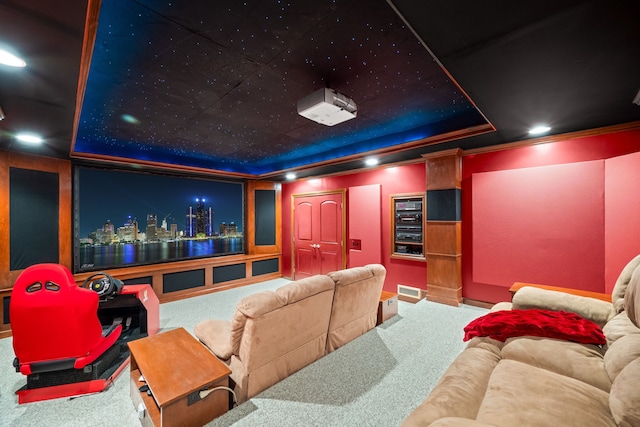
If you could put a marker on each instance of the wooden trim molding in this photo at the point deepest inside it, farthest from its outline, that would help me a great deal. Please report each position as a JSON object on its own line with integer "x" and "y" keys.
{"x": 88, "y": 42}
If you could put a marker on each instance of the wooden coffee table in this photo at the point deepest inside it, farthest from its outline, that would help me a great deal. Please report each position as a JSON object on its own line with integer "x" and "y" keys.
{"x": 177, "y": 370}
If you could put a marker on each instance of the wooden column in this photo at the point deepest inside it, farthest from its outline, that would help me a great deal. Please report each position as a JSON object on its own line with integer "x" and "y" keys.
{"x": 443, "y": 247}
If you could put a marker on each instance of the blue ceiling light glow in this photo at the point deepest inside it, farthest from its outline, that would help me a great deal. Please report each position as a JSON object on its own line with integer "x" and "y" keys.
{"x": 225, "y": 100}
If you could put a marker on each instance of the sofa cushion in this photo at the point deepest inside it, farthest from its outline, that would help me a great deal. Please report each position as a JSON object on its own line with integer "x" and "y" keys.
{"x": 621, "y": 353}
{"x": 302, "y": 319}
{"x": 580, "y": 361}
{"x": 519, "y": 394}
{"x": 504, "y": 305}
{"x": 624, "y": 399}
{"x": 303, "y": 288}
{"x": 632, "y": 298}
{"x": 620, "y": 287}
{"x": 619, "y": 327}
{"x": 355, "y": 303}
{"x": 255, "y": 305}
{"x": 596, "y": 310}
{"x": 460, "y": 391}
{"x": 486, "y": 343}
{"x": 214, "y": 333}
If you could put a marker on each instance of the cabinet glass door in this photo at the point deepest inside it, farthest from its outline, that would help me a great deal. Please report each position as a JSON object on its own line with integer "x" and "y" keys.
{"x": 408, "y": 226}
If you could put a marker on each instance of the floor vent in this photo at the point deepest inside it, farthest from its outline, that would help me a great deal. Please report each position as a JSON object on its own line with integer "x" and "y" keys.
{"x": 410, "y": 294}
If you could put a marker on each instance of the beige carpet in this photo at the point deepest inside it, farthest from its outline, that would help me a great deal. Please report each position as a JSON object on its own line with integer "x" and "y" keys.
{"x": 375, "y": 380}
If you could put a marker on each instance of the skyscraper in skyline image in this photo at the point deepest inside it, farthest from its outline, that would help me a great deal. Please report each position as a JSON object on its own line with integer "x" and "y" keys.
{"x": 199, "y": 221}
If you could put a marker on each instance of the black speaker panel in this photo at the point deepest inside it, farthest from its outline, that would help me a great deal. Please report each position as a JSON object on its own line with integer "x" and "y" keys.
{"x": 181, "y": 280}
{"x": 444, "y": 205}
{"x": 265, "y": 266}
{"x": 226, "y": 273}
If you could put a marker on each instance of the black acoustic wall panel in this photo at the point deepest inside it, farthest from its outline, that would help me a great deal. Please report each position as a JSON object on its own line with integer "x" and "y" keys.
{"x": 226, "y": 273}
{"x": 265, "y": 266}
{"x": 147, "y": 280}
{"x": 265, "y": 217}
{"x": 182, "y": 280}
{"x": 443, "y": 205}
{"x": 33, "y": 217}
{"x": 5, "y": 310}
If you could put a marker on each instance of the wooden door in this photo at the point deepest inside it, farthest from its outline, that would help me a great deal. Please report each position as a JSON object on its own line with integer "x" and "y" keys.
{"x": 318, "y": 234}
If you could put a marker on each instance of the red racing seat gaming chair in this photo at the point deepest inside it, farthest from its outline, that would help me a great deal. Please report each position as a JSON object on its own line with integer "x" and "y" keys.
{"x": 54, "y": 322}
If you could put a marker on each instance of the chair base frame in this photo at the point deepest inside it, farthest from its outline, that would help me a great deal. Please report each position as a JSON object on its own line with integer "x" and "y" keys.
{"x": 94, "y": 378}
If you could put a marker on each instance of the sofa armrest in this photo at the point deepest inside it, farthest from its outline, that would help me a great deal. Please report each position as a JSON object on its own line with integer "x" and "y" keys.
{"x": 590, "y": 294}
{"x": 596, "y": 310}
{"x": 216, "y": 335}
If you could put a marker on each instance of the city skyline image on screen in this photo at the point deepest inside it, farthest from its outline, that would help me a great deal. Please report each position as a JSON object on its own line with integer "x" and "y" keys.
{"x": 125, "y": 218}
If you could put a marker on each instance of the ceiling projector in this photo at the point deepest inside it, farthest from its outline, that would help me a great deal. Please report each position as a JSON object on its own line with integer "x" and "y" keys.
{"x": 327, "y": 107}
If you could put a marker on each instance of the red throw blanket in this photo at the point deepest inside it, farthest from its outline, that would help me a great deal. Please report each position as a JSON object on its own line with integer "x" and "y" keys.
{"x": 562, "y": 325}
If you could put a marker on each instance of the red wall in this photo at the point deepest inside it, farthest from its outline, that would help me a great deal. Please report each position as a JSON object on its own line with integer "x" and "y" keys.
{"x": 622, "y": 219}
{"x": 400, "y": 179}
{"x": 526, "y": 221}
{"x": 554, "y": 222}
{"x": 578, "y": 233}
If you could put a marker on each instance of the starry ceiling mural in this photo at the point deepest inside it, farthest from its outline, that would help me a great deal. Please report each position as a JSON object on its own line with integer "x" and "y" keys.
{"x": 214, "y": 85}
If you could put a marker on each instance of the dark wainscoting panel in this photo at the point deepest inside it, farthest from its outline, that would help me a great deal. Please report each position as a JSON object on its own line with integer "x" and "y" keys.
{"x": 172, "y": 282}
{"x": 265, "y": 266}
{"x": 147, "y": 280}
{"x": 227, "y": 273}
{"x": 5, "y": 310}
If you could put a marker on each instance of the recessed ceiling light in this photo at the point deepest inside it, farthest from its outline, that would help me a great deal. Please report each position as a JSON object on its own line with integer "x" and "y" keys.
{"x": 371, "y": 161}
{"x": 538, "y": 130}
{"x": 290, "y": 176}
{"x": 10, "y": 59}
{"x": 29, "y": 138}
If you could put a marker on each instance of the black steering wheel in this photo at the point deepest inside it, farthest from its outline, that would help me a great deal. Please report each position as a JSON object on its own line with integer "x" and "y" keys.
{"x": 103, "y": 284}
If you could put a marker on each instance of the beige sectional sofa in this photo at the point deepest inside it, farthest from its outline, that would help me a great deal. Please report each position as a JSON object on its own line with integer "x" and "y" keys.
{"x": 276, "y": 333}
{"x": 537, "y": 381}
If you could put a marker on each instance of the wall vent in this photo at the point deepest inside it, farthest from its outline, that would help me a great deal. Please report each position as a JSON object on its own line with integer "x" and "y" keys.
{"x": 410, "y": 294}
